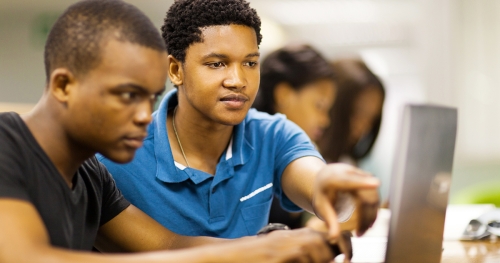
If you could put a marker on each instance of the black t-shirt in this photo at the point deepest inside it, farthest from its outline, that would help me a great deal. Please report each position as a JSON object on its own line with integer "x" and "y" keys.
{"x": 71, "y": 216}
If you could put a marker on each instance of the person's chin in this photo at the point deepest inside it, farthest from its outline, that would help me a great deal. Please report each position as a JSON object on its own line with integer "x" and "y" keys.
{"x": 316, "y": 134}
{"x": 233, "y": 119}
{"x": 123, "y": 156}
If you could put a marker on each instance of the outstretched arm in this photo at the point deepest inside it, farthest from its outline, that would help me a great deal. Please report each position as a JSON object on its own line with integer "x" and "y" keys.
{"x": 24, "y": 239}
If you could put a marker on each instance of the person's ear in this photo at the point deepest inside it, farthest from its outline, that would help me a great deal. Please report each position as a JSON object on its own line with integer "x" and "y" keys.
{"x": 284, "y": 96}
{"x": 60, "y": 84}
{"x": 175, "y": 71}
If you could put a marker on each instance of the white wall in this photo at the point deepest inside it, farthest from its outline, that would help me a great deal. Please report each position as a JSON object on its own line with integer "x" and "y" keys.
{"x": 438, "y": 51}
{"x": 443, "y": 52}
{"x": 22, "y": 76}
{"x": 21, "y": 63}
{"x": 477, "y": 78}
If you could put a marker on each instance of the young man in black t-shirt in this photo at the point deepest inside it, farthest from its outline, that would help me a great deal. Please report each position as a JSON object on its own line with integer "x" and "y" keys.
{"x": 105, "y": 65}
{"x": 72, "y": 215}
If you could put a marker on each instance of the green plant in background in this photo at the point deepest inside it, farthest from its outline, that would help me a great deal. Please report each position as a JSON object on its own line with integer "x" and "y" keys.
{"x": 476, "y": 183}
{"x": 481, "y": 193}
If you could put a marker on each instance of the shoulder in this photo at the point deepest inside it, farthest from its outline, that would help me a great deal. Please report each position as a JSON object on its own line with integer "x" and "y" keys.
{"x": 93, "y": 170}
{"x": 254, "y": 115}
{"x": 107, "y": 165}
{"x": 92, "y": 164}
{"x": 9, "y": 121}
{"x": 95, "y": 173}
{"x": 14, "y": 135}
{"x": 257, "y": 119}
{"x": 5, "y": 116}
{"x": 277, "y": 123}
{"x": 16, "y": 157}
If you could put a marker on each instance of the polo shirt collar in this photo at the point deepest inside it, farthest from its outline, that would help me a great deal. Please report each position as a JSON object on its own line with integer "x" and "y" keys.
{"x": 238, "y": 153}
{"x": 242, "y": 149}
{"x": 165, "y": 168}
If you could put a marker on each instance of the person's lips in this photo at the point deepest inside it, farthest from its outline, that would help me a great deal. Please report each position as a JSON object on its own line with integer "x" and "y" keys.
{"x": 234, "y": 101}
{"x": 317, "y": 134}
{"x": 134, "y": 141}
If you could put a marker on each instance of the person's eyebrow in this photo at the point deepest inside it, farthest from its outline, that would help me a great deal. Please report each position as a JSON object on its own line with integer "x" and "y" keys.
{"x": 137, "y": 88}
{"x": 251, "y": 55}
{"x": 215, "y": 55}
{"x": 131, "y": 86}
{"x": 222, "y": 56}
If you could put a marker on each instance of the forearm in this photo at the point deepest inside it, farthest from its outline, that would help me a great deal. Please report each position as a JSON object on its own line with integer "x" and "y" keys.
{"x": 287, "y": 247}
{"x": 206, "y": 254}
{"x": 298, "y": 181}
{"x": 143, "y": 234}
{"x": 154, "y": 243}
{"x": 189, "y": 241}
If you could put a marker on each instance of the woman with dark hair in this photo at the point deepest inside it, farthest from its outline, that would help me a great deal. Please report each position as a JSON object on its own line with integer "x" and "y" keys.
{"x": 298, "y": 82}
{"x": 355, "y": 118}
{"x": 356, "y": 115}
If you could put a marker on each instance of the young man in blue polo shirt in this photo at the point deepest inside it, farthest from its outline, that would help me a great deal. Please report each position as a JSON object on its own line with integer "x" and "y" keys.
{"x": 210, "y": 164}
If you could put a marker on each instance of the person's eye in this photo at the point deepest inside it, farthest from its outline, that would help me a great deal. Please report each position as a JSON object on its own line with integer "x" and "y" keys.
{"x": 216, "y": 64}
{"x": 251, "y": 64}
{"x": 154, "y": 97}
{"x": 129, "y": 96}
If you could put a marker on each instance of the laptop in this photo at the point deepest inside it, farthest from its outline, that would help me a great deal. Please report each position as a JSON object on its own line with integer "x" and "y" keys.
{"x": 420, "y": 183}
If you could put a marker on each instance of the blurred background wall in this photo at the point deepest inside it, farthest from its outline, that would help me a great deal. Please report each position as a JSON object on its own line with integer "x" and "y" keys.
{"x": 438, "y": 51}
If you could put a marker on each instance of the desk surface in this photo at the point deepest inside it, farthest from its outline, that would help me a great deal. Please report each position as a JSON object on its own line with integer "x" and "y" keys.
{"x": 372, "y": 251}
{"x": 471, "y": 252}
{"x": 371, "y": 246}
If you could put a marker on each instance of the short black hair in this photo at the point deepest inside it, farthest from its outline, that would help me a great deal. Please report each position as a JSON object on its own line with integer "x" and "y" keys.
{"x": 352, "y": 78}
{"x": 185, "y": 19}
{"x": 76, "y": 39}
{"x": 295, "y": 64}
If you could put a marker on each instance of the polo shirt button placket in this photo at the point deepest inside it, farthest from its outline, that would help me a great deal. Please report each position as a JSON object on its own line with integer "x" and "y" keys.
{"x": 216, "y": 206}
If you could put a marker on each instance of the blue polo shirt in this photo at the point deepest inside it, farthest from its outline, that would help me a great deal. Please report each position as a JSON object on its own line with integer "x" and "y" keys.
{"x": 233, "y": 203}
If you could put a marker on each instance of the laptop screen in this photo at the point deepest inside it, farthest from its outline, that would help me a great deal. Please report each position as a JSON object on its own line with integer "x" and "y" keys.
{"x": 420, "y": 183}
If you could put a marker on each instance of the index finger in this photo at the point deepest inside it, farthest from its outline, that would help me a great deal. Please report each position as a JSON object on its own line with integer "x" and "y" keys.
{"x": 368, "y": 205}
{"x": 329, "y": 216}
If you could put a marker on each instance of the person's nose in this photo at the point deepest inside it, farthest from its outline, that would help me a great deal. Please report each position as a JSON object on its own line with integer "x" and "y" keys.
{"x": 324, "y": 120}
{"x": 236, "y": 78}
{"x": 365, "y": 126}
{"x": 143, "y": 113}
